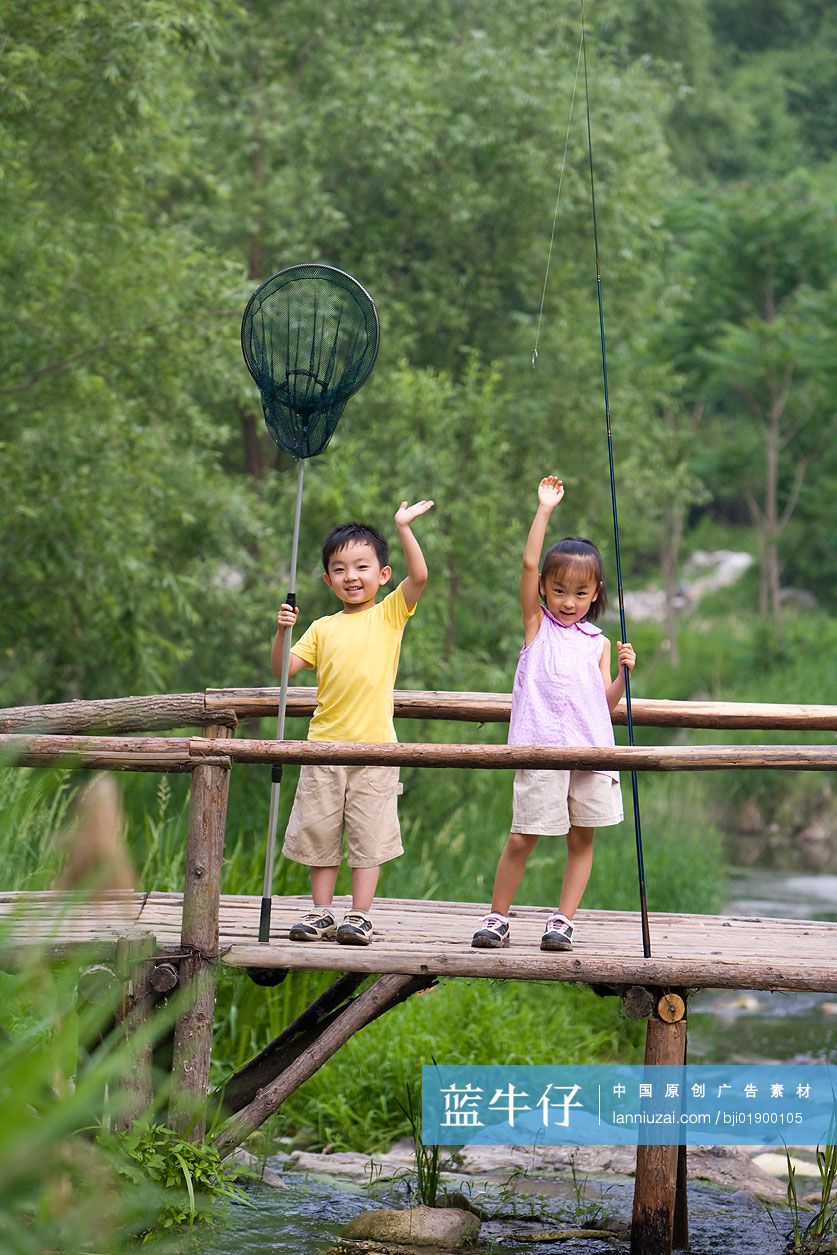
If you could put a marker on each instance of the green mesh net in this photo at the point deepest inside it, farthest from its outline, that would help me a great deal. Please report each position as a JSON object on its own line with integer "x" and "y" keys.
{"x": 310, "y": 338}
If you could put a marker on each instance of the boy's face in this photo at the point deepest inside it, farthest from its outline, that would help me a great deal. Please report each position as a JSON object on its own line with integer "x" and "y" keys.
{"x": 355, "y": 575}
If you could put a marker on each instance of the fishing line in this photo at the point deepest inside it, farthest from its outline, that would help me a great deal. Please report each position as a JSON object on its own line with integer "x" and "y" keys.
{"x": 557, "y": 200}
{"x": 646, "y": 938}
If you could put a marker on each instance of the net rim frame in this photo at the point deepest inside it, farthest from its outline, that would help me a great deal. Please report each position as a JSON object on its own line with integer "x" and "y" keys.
{"x": 344, "y": 274}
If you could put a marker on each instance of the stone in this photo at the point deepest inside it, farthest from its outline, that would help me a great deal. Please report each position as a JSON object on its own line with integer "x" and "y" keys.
{"x": 351, "y": 1164}
{"x": 776, "y": 1165}
{"x": 258, "y": 1169}
{"x": 445, "y": 1228}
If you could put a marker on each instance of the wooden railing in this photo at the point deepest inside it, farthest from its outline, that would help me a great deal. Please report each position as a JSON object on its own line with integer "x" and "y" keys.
{"x": 179, "y": 754}
{"x": 228, "y": 706}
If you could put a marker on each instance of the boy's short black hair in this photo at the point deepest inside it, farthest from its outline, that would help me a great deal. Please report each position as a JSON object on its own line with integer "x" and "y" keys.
{"x": 355, "y": 534}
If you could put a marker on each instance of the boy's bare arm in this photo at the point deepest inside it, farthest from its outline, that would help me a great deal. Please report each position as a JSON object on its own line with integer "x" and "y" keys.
{"x": 550, "y": 492}
{"x": 285, "y": 621}
{"x": 413, "y": 586}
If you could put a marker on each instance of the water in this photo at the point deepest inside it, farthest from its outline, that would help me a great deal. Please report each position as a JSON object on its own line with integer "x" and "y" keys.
{"x": 304, "y": 1218}
{"x": 308, "y": 1215}
{"x": 763, "y": 1027}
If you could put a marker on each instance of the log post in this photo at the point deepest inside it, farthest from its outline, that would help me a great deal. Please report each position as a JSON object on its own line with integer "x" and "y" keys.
{"x": 199, "y": 939}
{"x": 655, "y": 1189}
{"x": 136, "y": 1090}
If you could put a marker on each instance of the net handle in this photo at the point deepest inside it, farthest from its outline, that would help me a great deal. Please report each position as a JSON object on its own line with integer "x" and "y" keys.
{"x": 276, "y": 772}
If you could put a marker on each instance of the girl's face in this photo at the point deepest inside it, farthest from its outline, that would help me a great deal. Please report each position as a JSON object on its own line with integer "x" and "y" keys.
{"x": 569, "y": 591}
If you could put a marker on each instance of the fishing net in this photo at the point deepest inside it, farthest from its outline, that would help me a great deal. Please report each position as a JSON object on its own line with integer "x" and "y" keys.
{"x": 310, "y": 338}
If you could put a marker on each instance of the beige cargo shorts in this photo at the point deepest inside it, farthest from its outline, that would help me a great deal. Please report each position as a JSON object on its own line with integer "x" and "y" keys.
{"x": 547, "y": 803}
{"x": 361, "y": 802}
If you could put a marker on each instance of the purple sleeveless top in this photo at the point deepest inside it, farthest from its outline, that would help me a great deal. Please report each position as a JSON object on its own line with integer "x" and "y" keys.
{"x": 558, "y": 696}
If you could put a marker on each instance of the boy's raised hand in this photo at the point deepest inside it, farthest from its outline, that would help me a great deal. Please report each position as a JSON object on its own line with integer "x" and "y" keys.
{"x": 550, "y": 491}
{"x": 407, "y": 514}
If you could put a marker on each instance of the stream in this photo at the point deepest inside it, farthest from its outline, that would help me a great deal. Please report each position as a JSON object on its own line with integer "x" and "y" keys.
{"x": 730, "y": 1026}
{"x": 752, "y": 1026}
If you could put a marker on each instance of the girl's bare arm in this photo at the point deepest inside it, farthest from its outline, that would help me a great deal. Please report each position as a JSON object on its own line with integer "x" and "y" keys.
{"x": 615, "y": 689}
{"x": 550, "y": 492}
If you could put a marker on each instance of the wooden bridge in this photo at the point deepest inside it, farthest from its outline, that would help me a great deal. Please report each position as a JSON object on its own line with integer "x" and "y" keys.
{"x": 419, "y": 938}
{"x": 176, "y": 939}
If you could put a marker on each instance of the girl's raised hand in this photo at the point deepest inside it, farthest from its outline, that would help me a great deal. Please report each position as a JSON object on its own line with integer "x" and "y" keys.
{"x": 626, "y": 655}
{"x": 550, "y": 491}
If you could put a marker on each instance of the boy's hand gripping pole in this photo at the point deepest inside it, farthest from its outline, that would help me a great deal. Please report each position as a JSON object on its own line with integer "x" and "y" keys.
{"x": 276, "y": 772}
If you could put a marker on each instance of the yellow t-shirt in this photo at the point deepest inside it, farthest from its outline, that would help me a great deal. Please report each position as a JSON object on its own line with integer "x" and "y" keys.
{"x": 356, "y": 657}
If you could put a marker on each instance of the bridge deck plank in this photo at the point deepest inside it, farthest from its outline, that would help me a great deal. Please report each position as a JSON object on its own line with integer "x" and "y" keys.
{"x": 695, "y": 951}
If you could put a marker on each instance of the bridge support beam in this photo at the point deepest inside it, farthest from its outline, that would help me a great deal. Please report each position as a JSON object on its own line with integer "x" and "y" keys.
{"x": 660, "y": 1217}
{"x": 199, "y": 939}
{"x": 386, "y": 992}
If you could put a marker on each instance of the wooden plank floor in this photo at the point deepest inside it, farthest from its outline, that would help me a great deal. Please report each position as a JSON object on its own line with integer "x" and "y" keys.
{"x": 695, "y": 951}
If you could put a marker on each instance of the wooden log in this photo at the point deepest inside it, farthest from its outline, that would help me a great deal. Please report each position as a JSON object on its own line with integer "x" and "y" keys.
{"x": 223, "y": 706}
{"x": 243, "y": 1086}
{"x": 100, "y": 753}
{"x": 680, "y": 1227}
{"x": 626, "y": 965}
{"x": 637, "y": 1002}
{"x": 98, "y": 986}
{"x": 135, "y": 1092}
{"x": 620, "y": 757}
{"x": 387, "y": 991}
{"x": 671, "y": 1008}
{"x": 173, "y": 754}
{"x": 652, "y": 1224}
{"x": 496, "y": 707}
{"x": 164, "y": 978}
{"x": 201, "y": 903}
{"x": 118, "y": 714}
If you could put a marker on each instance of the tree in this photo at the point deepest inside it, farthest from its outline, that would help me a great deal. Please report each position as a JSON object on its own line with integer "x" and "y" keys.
{"x": 765, "y": 258}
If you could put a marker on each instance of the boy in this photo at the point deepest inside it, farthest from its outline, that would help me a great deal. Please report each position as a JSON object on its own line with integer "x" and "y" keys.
{"x": 355, "y": 653}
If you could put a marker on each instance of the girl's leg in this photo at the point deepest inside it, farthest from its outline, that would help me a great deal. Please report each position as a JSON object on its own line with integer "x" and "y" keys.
{"x": 510, "y": 870}
{"x": 577, "y": 870}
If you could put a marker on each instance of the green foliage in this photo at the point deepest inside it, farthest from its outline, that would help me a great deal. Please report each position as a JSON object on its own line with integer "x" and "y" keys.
{"x": 33, "y": 808}
{"x": 65, "y": 1182}
{"x": 161, "y": 180}
{"x": 58, "y": 1189}
{"x": 428, "y": 1162}
{"x": 814, "y": 1234}
{"x": 192, "y": 1177}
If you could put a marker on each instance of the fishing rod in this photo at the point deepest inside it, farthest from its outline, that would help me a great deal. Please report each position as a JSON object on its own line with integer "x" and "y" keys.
{"x": 646, "y": 936}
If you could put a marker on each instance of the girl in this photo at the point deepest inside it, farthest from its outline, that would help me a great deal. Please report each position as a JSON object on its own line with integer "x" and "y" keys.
{"x": 563, "y": 695}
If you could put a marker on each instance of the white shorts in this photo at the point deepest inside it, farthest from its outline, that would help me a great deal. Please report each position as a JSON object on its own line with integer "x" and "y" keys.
{"x": 548, "y": 803}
